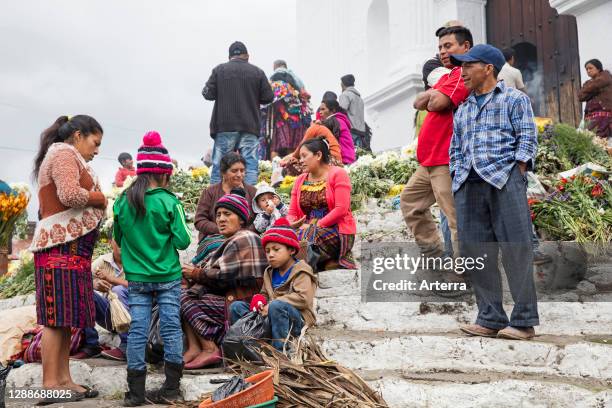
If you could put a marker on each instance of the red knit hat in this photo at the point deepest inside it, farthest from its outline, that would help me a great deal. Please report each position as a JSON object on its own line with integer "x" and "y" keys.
{"x": 282, "y": 233}
{"x": 152, "y": 156}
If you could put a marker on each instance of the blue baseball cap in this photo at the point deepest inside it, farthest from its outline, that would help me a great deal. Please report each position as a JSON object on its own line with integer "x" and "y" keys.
{"x": 481, "y": 53}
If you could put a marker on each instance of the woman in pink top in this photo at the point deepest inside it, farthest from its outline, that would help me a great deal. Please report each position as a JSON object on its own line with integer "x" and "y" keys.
{"x": 336, "y": 119}
{"x": 321, "y": 209}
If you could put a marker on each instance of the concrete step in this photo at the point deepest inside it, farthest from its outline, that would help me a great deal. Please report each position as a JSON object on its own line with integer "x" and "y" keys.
{"x": 17, "y": 301}
{"x": 339, "y": 306}
{"x": 570, "y": 358}
{"x": 401, "y": 393}
{"x": 109, "y": 378}
{"x": 557, "y": 318}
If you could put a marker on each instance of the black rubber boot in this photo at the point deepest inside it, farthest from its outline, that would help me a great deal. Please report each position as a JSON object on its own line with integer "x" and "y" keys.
{"x": 170, "y": 390}
{"x": 136, "y": 388}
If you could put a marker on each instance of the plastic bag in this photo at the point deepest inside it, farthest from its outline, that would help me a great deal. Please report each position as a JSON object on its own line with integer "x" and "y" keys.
{"x": 4, "y": 372}
{"x": 154, "y": 352}
{"x": 240, "y": 341}
{"x": 233, "y": 386}
{"x": 155, "y": 345}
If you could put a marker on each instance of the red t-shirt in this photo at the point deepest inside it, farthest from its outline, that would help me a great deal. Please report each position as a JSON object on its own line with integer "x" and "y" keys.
{"x": 122, "y": 174}
{"x": 437, "y": 129}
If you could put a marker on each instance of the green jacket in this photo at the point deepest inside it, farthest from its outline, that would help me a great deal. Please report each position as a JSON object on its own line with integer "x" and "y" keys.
{"x": 150, "y": 244}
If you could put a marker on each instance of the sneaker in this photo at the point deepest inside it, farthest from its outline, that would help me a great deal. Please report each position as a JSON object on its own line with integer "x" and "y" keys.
{"x": 114, "y": 354}
{"x": 86, "y": 352}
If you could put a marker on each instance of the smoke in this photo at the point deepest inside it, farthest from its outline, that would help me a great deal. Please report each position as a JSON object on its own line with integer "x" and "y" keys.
{"x": 533, "y": 76}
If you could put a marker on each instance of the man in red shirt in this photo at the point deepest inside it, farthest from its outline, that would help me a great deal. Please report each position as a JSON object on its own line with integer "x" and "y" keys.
{"x": 431, "y": 183}
{"x": 126, "y": 170}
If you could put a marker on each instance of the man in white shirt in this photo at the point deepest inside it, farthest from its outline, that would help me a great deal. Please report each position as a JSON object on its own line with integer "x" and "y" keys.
{"x": 511, "y": 76}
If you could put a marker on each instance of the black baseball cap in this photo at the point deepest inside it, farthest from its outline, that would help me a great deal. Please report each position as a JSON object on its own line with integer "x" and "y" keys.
{"x": 481, "y": 53}
{"x": 237, "y": 48}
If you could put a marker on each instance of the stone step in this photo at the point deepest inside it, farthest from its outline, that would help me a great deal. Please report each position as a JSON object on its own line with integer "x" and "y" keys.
{"x": 416, "y": 371}
{"x": 109, "y": 378}
{"x": 556, "y": 318}
{"x": 401, "y": 393}
{"x": 339, "y": 306}
{"x": 556, "y": 357}
{"x": 17, "y": 301}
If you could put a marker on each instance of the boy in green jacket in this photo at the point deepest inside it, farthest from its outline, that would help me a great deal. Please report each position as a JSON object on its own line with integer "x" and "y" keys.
{"x": 150, "y": 228}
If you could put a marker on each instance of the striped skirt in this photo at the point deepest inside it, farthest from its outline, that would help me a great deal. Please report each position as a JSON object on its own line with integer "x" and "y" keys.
{"x": 64, "y": 284}
{"x": 204, "y": 312}
{"x": 336, "y": 246}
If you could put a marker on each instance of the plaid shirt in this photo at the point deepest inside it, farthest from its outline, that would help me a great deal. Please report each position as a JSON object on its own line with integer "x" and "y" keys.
{"x": 491, "y": 139}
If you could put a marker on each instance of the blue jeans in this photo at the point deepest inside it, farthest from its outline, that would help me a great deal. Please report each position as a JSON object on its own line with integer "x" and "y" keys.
{"x": 446, "y": 233}
{"x": 246, "y": 144}
{"x": 141, "y": 298}
{"x": 282, "y": 317}
{"x": 489, "y": 221}
{"x": 103, "y": 318}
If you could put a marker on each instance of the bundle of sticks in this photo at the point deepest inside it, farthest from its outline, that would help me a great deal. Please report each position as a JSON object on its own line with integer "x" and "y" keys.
{"x": 308, "y": 379}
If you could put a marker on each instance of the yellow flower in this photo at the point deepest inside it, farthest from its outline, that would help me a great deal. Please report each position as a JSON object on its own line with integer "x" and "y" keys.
{"x": 288, "y": 181}
{"x": 396, "y": 190}
{"x": 199, "y": 172}
{"x": 541, "y": 123}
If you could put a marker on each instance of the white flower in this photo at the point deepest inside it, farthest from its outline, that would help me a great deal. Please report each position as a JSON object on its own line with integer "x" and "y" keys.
{"x": 26, "y": 256}
{"x": 601, "y": 211}
{"x": 265, "y": 166}
{"x": 109, "y": 208}
{"x": 409, "y": 152}
{"x": 108, "y": 225}
{"x": 21, "y": 188}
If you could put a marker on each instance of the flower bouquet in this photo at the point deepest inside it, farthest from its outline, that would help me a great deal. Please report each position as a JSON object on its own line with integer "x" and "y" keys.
{"x": 577, "y": 210}
{"x": 12, "y": 205}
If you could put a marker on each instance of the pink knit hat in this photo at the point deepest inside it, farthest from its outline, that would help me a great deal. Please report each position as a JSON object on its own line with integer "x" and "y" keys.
{"x": 152, "y": 156}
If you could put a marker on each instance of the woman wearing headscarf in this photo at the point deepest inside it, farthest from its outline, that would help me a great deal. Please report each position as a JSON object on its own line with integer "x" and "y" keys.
{"x": 233, "y": 272}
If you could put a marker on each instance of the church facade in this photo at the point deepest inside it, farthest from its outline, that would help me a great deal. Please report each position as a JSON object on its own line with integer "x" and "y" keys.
{"x": 384, "y": 43}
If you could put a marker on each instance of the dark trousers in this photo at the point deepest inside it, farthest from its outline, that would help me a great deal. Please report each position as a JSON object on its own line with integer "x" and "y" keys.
{"x": 103, "y": 318}
{"x": 489, "y": 221}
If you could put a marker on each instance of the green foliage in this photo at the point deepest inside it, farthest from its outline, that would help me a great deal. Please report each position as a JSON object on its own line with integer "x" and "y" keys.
{"x": 561, "y": 148}
{"x": 21, "y": 283}
{"x": 102, "y": 247}
{"x": 21, "y": 226}
{"x": 578, "y": 210}
{"x": 188, "y": 189}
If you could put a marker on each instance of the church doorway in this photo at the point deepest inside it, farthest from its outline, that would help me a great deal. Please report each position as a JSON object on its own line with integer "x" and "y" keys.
{"x": 546, "y": 46}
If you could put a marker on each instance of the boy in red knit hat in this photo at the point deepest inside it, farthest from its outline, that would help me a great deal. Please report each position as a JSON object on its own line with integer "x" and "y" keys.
{"x": 288, "y": 290}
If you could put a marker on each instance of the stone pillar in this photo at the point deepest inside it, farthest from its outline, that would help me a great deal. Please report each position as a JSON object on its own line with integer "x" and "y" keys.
{"x": 473, "y": 14}
{"x": 470, "y": 12}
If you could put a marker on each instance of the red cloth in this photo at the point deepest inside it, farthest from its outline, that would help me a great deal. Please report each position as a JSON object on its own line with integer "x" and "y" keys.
{"x": 437, "y": 129}
{"x": 254, "y": 306}
{"x": 122, "y": 174}
{"x": 338, "y": 194}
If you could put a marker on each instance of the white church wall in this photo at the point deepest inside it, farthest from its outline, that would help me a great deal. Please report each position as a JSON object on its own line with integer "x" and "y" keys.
{"x": 384, "y": 43}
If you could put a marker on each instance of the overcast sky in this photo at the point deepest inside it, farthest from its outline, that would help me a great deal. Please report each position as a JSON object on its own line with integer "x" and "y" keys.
{"x": 133, "y": 65}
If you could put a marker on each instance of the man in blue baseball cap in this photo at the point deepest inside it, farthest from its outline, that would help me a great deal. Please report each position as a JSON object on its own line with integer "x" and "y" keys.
{"x": 494, "y": 143}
